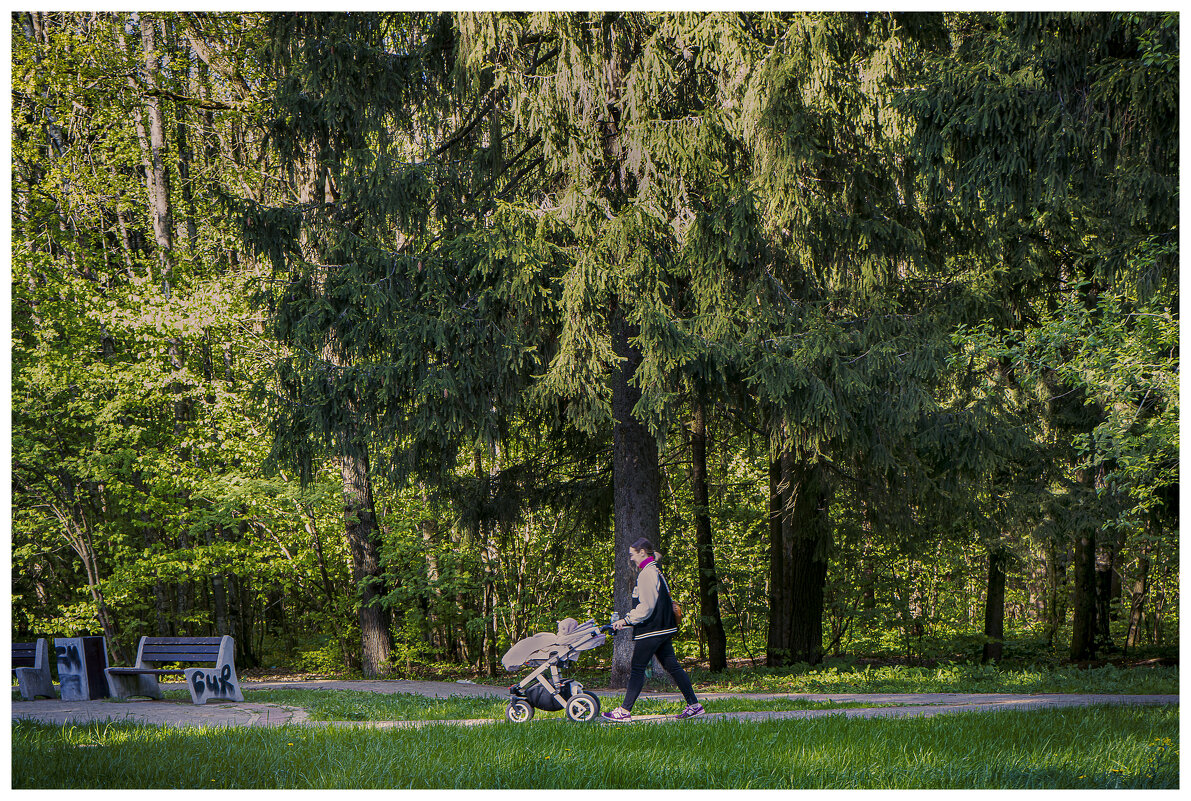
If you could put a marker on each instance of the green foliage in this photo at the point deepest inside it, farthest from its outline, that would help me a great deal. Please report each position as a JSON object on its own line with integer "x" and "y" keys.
{"x": 936, "y": 253}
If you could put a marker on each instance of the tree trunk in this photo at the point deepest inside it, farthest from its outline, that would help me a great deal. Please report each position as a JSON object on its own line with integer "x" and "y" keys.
{"x": 1056, "y": 591}
{"x": 994, "y": 607}
{"x": 1083, "y": 626}
{"x": 808, "y": 529}
{"x": 1105, "y": 557}
{"x": 709, "y": 597}
{"x": 185, "y": 160}
{"x": 157, "y": 178}
{"x": 1137, "y": 599}
{"x": 777, "y": 646}
{"x": 636, "y": 484}
{"x": 362, "y": 542}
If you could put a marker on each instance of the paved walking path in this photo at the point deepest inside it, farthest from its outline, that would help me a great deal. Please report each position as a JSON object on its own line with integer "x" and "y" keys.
{"x": 186, "y": 714}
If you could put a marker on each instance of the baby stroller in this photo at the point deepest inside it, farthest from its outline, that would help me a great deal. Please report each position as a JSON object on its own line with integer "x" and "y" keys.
{"x": 550, "y": 653}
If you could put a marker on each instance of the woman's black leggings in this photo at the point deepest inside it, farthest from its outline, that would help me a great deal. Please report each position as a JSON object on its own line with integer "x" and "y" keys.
{"x": 643, "y": 651}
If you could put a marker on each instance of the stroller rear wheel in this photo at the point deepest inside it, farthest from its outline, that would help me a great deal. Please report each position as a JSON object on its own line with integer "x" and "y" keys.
{"x": 519, "y": 711}
{"x": 583, "y": 706}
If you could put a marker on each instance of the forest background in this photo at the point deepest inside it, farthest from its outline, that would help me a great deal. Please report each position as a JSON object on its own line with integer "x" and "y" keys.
{"x": 372, "y": 339}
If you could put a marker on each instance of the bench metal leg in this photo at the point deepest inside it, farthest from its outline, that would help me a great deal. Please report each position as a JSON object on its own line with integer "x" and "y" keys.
{"x": 126, "y": 685}
{"x": 33, "y": 682}
{"x": 213, "y": 684}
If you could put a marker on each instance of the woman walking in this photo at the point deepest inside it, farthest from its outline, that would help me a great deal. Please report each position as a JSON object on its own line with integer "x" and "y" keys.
{"x": 654, "y": 626}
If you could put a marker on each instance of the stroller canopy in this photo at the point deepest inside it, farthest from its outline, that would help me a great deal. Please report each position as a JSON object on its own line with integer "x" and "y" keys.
{"x": 571, "y": 638}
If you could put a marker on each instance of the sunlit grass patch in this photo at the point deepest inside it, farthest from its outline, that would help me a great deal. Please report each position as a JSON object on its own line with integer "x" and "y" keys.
{"x": 952, "y": 678}
{"x": 370, "y": 706}
{"x": 1090, "y": 747}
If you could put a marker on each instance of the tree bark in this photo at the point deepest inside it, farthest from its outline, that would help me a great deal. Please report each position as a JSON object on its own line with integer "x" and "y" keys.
{"x": 636, "y": 484}
{"x": 362, "y": 541}
{"x": 798, "y": 569}
{"x": 709, "y": 595}
{"x": 777, "y": 641}
{"x": 994, "y": 607}
{"x": 1083, "y": 626}
{"x": 808, "y": 529}
{"x": 157, "y": 178}
{"x": 1137, "y": 601}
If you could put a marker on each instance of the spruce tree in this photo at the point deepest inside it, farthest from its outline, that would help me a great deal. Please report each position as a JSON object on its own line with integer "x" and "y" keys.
{"x": 343, "y": 129}
{"x": 1049, "y": 143}
{"x": 624, "y": 114}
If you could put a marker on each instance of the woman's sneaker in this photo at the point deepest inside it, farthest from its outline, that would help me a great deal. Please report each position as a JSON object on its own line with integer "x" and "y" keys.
{"x": 694, "y": 710}
{"x": 618, "y": 715}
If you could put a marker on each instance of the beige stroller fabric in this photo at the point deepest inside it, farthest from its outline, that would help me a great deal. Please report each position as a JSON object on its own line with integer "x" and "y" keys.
{"x": 571, "y": 639}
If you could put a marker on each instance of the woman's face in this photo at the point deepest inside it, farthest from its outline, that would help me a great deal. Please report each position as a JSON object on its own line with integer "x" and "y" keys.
{"x": 638, "y": 556}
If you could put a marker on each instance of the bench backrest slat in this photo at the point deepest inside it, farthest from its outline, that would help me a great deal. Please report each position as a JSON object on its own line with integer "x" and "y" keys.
{"x": 180, "y": 649}
{"x": 183, "y": 640}
{"x": 23, "y": 654}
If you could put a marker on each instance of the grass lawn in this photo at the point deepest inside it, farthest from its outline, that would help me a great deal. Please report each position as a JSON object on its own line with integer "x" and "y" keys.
{"x": 361, "y": 705}
{"x": 948, "y": 678}
{"x": 1091, "y": 747}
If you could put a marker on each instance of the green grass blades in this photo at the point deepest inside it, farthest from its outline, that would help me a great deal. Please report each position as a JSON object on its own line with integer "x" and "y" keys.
{"x": 1091, "y": 747}
{"x": 370, "y": 706}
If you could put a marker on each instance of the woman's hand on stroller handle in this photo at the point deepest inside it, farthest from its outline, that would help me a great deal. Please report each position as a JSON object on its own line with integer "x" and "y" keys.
{"x": 617, "y": 624}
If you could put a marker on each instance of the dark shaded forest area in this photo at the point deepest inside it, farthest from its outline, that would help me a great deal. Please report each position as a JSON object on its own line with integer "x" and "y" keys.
{"x": 373, "y": 339}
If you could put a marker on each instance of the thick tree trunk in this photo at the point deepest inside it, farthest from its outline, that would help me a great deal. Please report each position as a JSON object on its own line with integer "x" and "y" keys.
{"x": 994, "y": 607}
{"x": 636, "y": 485}
{"x": 808, "y": 529}
{"x": 362, "y": 541}
{"x": 709, "y": 595}
{"x": 798, "y": 580}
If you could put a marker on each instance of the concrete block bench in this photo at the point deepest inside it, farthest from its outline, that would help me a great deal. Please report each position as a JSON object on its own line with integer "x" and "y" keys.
{"x": 216, "y": 681}
{"x": 31, "y": 665}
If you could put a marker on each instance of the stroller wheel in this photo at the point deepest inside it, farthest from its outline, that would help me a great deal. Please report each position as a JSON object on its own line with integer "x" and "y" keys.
{"x": 583, "y": 706}
{"x": 519, "y": 712}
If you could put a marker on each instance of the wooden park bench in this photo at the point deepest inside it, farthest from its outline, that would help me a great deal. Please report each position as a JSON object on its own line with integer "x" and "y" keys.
{"x": 217, "y": 682}
{"x": 31, "y": 664}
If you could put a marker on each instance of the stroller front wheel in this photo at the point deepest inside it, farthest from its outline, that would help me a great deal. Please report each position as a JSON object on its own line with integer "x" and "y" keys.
{"x": 583, "y": 706}
{"x": 519, "y": 711}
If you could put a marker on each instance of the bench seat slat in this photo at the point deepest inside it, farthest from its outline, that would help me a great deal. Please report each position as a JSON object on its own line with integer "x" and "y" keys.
{"x": 156, "y": 671}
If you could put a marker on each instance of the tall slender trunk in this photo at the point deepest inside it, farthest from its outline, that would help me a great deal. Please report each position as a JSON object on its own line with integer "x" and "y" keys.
{"x": 994, "y": 606}
{"x": 359, "y": 522}
{"x": 777, "y": 646}
{"x": 709, "y": 594}
{"x": 186, "y": 159}
{"x": 636, "y": 484}
{"x": 636, "y": 481}
{"x": 1137, "y": 600}
{"x": 153, "y": 147}
{"x": 1083, "y": 626}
